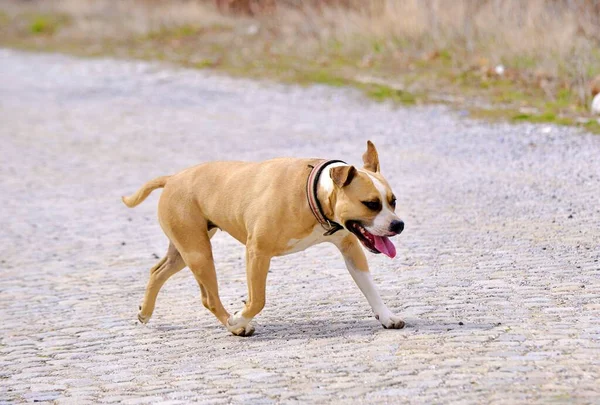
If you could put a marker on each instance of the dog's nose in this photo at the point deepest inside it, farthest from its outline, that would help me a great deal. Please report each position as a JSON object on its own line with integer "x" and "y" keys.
{"x": 397, "y": 226}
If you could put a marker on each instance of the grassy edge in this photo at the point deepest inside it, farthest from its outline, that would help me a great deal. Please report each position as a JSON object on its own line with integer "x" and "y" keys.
{"x": 41, "y": 29}
{"x": 515, "y": 116}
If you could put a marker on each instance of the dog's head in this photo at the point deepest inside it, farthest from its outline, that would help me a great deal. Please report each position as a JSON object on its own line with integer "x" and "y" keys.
{"x": 365, "y": 204}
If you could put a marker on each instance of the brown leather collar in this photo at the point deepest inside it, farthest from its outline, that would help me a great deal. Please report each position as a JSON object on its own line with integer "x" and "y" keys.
{"x": 312, "y": 184}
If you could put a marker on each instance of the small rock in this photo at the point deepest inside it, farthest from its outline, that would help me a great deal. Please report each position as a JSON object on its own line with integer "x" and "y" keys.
{"x": 461, "y": 323}
{"x": 596, "y": 104}
{"x": 252, "y": 30}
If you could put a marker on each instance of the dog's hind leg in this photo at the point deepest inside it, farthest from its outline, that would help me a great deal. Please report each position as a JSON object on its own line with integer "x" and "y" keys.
{"x": 190, "y": 232}
{"x": 203, "y": 268}
{"x": 194, "y": 245}
{"x": 159, "y": 274}
{"x": 203, "y": 292}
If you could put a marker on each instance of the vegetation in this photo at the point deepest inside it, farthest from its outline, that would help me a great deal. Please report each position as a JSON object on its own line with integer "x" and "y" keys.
{"x": 521, "y": 61}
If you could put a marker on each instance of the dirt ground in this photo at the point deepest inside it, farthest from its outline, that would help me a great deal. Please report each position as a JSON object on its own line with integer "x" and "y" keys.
{"x": 497, "y": 273}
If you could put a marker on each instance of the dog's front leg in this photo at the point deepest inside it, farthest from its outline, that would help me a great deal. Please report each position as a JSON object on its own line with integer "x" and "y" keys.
{"x": 356, "y": 262}
{"x": 257, "y": 267}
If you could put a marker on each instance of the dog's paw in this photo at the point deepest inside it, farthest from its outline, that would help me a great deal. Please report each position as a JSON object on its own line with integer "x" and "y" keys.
{"x": 143, "y": 319}
{"x": 240, "y": 326}
{"x": 246, "y": 331}
{"x": 391, "y": 321}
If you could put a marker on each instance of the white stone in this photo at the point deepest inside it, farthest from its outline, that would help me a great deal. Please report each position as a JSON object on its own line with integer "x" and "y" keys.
{"x": 596, "y": 104}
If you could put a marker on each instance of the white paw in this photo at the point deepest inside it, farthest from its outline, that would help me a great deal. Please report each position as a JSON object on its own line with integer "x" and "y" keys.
{"x": 143, "y": 318}
{"x": 239, "y": 326}
{"x": 390, "y": 321}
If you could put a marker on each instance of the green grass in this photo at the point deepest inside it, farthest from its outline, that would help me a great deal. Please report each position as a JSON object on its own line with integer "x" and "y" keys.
{"x": 511, "y": 115}
{"x": 46, "y": 24}
{"x": 204, "y": 64}
{"x": 592, "y": 126}
{"x": 324, "y": 76}
{"x": 380, "y": 92}
{"x": 547, "y": 117}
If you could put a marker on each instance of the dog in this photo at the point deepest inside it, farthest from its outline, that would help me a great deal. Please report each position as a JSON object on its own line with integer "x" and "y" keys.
{"x": 275, "y": 208}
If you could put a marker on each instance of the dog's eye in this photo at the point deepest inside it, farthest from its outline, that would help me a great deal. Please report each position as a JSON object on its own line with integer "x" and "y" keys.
{"x": 393, "y": 202}
{"x": 372, "y": 205}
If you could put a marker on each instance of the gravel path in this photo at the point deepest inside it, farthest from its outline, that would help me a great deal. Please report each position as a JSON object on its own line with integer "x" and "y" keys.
{"x": 497, "y": 275}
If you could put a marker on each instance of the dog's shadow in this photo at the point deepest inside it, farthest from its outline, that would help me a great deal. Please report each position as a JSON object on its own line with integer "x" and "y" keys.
{"x": 324, "y": 329}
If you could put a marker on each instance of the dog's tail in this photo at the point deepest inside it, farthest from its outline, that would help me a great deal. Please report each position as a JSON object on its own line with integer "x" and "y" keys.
{"x": 145, "y": 191}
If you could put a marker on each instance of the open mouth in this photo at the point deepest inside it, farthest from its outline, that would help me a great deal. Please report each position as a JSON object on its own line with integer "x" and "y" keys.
{"x": 374, "y": 243}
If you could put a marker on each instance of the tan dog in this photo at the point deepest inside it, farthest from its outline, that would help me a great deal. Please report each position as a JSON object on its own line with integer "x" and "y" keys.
{"x": 275, "y": 208}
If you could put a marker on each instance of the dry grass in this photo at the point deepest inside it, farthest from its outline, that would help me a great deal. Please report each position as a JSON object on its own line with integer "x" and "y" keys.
{"x": 100, "y": 19}
{"x": 547, "y": 40}
{"x": 549, "y": 49}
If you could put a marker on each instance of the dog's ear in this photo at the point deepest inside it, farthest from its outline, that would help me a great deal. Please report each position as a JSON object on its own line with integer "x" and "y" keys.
{"x": 371, "y": 158}
{"x": 343, "y": 175}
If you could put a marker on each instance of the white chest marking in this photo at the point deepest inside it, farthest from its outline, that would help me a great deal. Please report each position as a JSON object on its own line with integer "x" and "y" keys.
{"x": 313, "y": 238}
{"x": 326, "y": 183}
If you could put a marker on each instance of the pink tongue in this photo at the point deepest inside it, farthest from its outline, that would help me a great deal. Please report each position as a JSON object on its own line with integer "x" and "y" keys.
{"x": 385, "y": 246}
